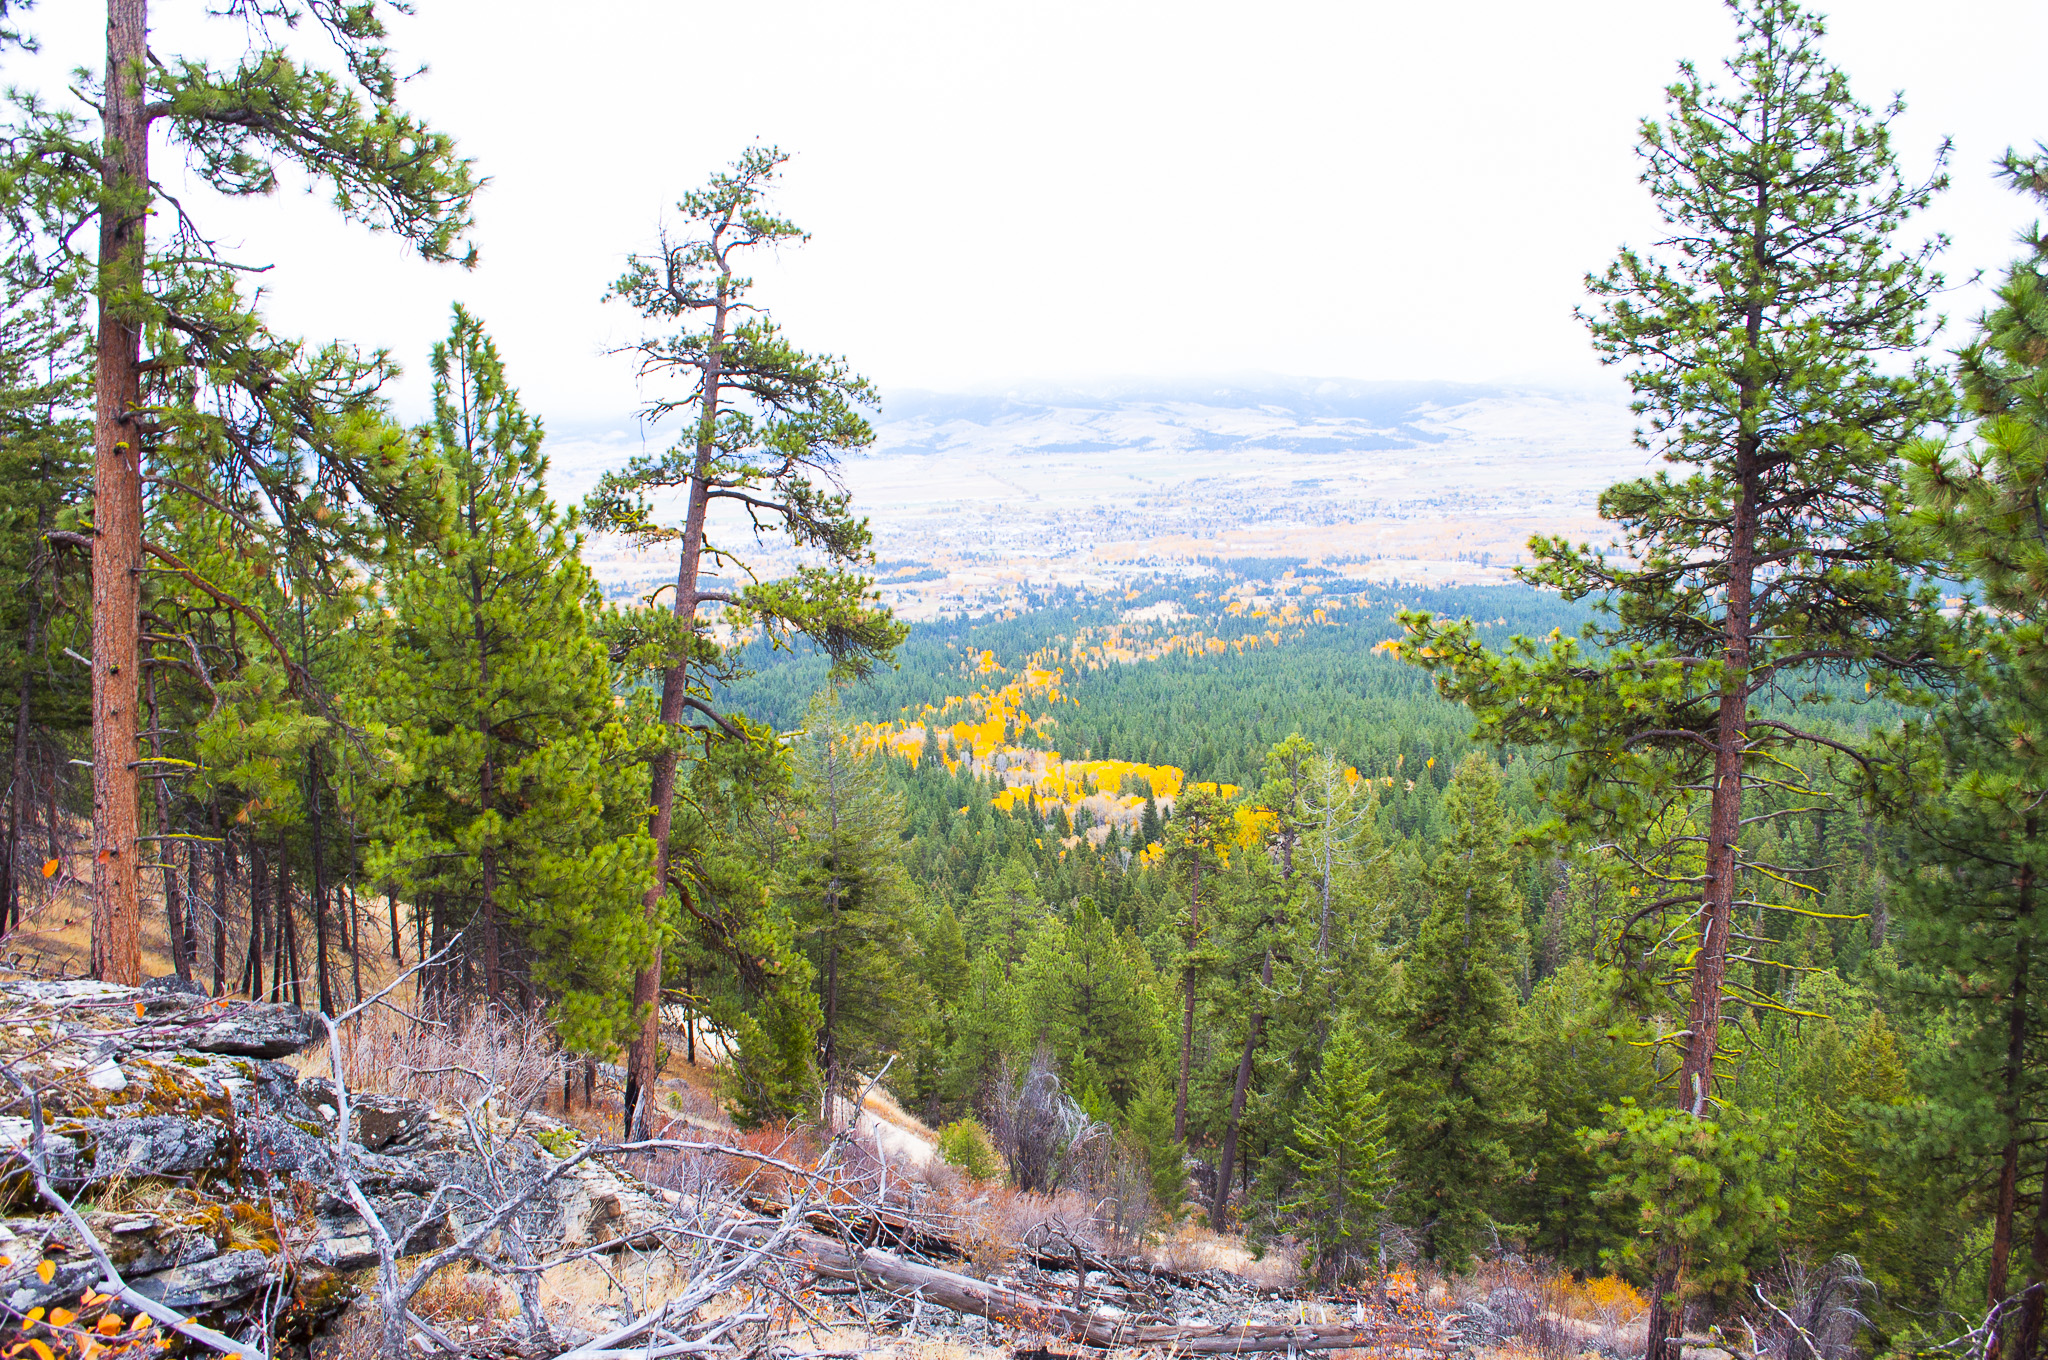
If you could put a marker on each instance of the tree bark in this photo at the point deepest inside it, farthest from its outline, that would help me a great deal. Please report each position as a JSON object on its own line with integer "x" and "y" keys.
{"x": 1998, "y": 1276}
{"x": 117, "y": 504}
{"x": 319, "y": 829}
{"x": 1252, "y": 1039}
{"x": 2033, "y": 1313}
{"x": 18, "y": 781}
{"x": 642, "y": 1057}
{"x": 1187, "y": 1019}
{"x": 174, "y": 910}
{"x": 259, "y": 906}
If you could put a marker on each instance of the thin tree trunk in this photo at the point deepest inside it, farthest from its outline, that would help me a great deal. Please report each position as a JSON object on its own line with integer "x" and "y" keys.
{"x": 18, "y": 790}
{"x": 1187, "y": 1019}
{"x": 1998, "y": 1277}
{"x": 117, "y": 504}
{"x": 259, "y": 903}
{"x": 1253, "y": 1038}
{"x": 220, "y": 907}
{"x": 174, "y": 910}
{"x": 355, "y": 945}
{"x": 487, "y": 919}
{"x": 321, "y": 980}
{"x": 187, "y": 945}
{"x": 643, "y": 1054}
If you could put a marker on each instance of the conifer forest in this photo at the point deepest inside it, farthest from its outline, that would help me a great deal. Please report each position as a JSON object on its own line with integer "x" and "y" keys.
{"x": 1635, "y": 957}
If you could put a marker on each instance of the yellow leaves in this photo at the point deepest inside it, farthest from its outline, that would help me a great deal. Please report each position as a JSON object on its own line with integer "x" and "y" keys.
{"x": 1429, "y": 764}
{"x": 34, "y": 1345}
{"x": 62, "y": 1317}
{"x": 47, "y": 1270}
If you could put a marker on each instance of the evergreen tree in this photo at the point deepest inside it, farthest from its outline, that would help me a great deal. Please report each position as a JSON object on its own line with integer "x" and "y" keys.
{"x": 1149, "y": 825}
{"x": 1344, "y": 1166}
{"x": 508, "y": 792}
{"x": 1005, "y": 913}
{"x": 764, "y": 427}
{"x": 988, "y": 1029}
{"x": 210, "y": 362}
{"x": 1194, "y": 841}
{"x": 43, "y": 501}
{"x": 1091, "y": 995}
{"x": 848, "y": 898}
{"x": 1760, "y": 339}
{"x": 1457, "y": 1091}
{"x": 1577, "y": 1069}
{"x": 1974, "y": 931}
{"x": 1150, "y": 1119}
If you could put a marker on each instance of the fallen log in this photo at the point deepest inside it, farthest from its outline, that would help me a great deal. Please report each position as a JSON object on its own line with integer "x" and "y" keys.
{"x": 1100, "y": 1326}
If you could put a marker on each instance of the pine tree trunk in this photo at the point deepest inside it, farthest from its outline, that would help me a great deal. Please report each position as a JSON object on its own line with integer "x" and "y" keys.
{"x": 2027, "y": 1343}
{"x": 18, "y": 782}
{"x": 174, "y": 910}
{"x": 355, "y": 943}
{"x": 220, "y": 907}
{"x": 1187, "y": 1019}
{"x": 259, "y": 905}
{"x": 398, "y": 950}
{"x": 1252, "y": 1039}
{"x": 320, "y": 969}
{"x": 1998, "y": 1276}
{"x": 117, "y": 506}
{"x": 643, "y": 1054}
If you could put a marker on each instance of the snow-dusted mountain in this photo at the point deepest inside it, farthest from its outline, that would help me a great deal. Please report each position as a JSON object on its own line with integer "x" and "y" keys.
{"x": 1434, "y": 480}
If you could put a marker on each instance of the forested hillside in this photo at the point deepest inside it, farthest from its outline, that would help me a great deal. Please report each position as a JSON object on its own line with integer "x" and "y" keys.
{"x": 1671, "y": 917}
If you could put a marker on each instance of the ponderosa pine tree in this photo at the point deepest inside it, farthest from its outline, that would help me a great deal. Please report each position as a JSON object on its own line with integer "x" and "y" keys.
{"x": 1457, "y": 1087}
{"x": 765, "y": 425}
{"x": 1968, "y": 903}
{"x": 292, "y": 409}
{"x": 1760, "y": 339}
{"x": 510, "y": 792}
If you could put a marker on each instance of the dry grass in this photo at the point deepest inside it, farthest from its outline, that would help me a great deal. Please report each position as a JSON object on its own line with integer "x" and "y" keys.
{"x": 1188, "y": 1247}
{"x": 461, "y": 1059}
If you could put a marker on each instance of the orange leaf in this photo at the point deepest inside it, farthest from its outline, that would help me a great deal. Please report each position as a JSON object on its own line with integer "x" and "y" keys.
{"x": 47, "y": 1271}
{"x": 32, "y": 1315}
{"x": 40, "y": 1349}
{"x": 110, "y": 1324}
{"x": 142, "y": 1323}
{"x": 62, "y": 1317}
{"x": 51, "y": 866}
{"x": 138, "y": 1010}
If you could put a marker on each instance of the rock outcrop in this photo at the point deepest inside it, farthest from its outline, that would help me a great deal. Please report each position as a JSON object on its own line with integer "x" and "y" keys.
{"x": 207, "y": 1169}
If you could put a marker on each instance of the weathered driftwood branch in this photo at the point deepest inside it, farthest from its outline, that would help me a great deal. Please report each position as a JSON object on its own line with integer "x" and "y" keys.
{"x": 1001, "y": 1302}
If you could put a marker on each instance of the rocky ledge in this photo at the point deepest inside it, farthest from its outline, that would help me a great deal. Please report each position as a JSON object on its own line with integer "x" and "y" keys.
{"x": 205, "y": 1167}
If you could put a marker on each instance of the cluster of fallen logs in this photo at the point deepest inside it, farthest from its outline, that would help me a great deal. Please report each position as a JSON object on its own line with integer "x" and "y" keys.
{"x": 374, "y": 1213}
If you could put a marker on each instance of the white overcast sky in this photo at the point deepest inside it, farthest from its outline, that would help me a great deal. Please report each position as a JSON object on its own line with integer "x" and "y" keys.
{"x": 1012, "y": 191}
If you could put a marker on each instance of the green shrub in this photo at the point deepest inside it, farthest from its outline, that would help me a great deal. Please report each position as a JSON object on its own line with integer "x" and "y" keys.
{"x": 964, "y": 1144}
